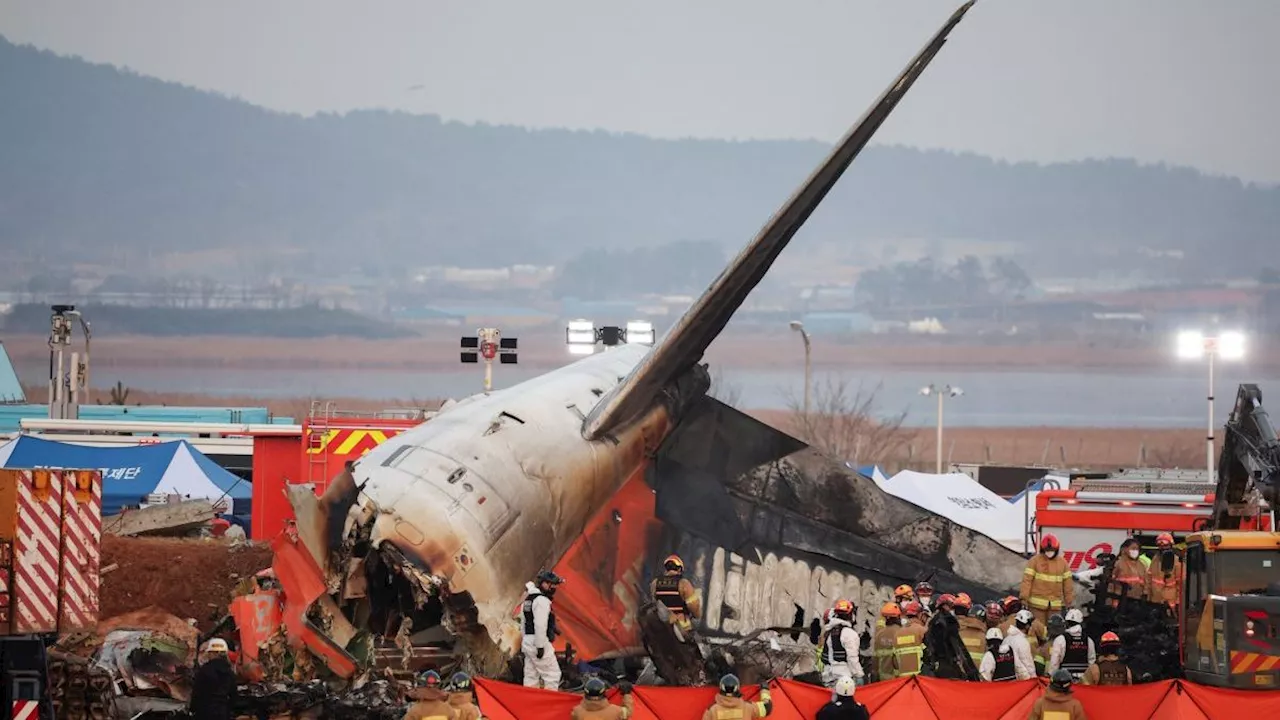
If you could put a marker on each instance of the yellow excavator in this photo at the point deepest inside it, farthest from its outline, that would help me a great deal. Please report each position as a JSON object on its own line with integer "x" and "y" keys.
{"x": 1229, "y": 603}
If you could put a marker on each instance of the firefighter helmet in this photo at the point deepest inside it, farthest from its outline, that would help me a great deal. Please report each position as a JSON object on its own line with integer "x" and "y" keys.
{"x": 430, "y": 679}
{"x": 461, "y": 682}
{"x": 979, "y": 612}
{"x": 546, "y": 576}
{"x": 924, "y": 588}
{"x": 994, "y": 610}
{"x": 1011, "y": 605}
{"x": 673, "y": 563}
{"x": 1024, "y": 617}
{"x": 1164, "y": 540}
{"x": 995, "y": 634}
{"x": 1075, "y": 616}
{"x": 912, "y": 609}
{"x": 1049, "y": 542}
{"x": 730, "y": 685}
{"x": 844, "y": 609}
{"x": 595, "y": 688}
{"x": 845, "y": 686}
{"x": 1061, "y": 680}
{"x": 1056, "y": 624}
{"x": 1110, "y": 643}
{"x": 946, "y": 600}
{"x": 963, "y": 600}
{"x": 891, "y": 610}
{"x": 903, "y": 592}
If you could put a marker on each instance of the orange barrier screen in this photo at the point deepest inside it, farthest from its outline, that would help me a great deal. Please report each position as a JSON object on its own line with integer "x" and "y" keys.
{"x": 916, "y": 698}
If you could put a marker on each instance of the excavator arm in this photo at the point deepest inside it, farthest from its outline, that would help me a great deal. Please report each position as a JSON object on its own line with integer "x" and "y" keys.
{"x": 1249, "y": 466}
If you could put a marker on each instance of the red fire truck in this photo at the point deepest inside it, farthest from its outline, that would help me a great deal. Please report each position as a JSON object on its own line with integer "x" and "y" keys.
{"x": 1096, "y": 515}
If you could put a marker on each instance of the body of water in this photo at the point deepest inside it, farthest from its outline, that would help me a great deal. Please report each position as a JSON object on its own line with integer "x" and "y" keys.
{"x": 1164, "y": 398}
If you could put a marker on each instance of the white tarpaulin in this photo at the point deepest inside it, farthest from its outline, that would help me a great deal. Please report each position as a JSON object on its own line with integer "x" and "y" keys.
{"x": 962, "y": 500}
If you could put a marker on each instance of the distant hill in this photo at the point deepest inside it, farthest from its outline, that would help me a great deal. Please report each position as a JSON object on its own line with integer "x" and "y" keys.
{"x": 108, "y": 166}
{"x": 302, "y": 322}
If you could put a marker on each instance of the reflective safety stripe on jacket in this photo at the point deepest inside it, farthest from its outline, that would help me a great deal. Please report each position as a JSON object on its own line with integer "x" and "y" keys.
{"x": 833, "y": 649}
{"x": 909, "y": 651}
{"x": 973, "y": 634}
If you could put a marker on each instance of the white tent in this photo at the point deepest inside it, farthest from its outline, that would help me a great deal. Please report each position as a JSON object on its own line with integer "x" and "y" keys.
{"x": 964, "y": 501}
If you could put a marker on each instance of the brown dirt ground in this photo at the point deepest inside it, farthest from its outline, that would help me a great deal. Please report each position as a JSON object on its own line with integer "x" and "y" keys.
{"x": 191, "y": 578}
{"x": 544, "y": 348}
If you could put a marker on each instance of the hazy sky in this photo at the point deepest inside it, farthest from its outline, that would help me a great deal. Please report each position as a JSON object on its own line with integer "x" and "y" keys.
{"x": 1183, "y": 81}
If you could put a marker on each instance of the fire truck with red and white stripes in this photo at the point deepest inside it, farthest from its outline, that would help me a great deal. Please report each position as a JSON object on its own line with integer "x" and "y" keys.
{"x": 50, "y": 545}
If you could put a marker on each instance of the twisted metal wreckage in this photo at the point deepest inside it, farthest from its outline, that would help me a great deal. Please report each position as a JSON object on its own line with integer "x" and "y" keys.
{"x": 437, "y": 530}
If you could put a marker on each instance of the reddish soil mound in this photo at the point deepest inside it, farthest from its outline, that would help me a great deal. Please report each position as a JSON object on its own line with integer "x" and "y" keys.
{"x": 189, "y": 578}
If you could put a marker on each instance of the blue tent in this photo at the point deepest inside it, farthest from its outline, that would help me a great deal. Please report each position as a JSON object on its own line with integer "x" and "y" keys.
{"x": 131, "y": 473}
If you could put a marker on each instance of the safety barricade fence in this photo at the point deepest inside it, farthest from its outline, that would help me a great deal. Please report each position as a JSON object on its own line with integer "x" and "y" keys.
{"x": 914, "y": 698}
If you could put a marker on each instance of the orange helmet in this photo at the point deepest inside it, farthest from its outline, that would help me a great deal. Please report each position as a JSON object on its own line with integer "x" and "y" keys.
{"x": 963, "y": 600}
{"x": 903, "y": 591}
{"x": 1109, "y": 638}
{"x": 844, "y": 608}
{"x": 1050, "y": 542}
{"x": 891, "y": 610}
{"x": 912, "y": 609}
{"x": 1164, "y": 540}
{"x": 946, "y": 600}
{"x": 673, "y": 563}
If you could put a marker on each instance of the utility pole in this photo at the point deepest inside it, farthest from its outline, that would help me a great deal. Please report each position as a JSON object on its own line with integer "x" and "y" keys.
{"x": 942, "y": 394}
{"x": 66, "y": 383}
{"x": 488, "y": 343}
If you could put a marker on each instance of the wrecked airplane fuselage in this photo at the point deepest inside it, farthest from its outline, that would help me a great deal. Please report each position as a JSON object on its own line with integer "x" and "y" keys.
{"x": 445, "y": 523}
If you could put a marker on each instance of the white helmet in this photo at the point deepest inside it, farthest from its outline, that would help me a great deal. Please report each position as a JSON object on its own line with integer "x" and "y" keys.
{"x": 845, "y": 686}
{"x": 1024, "y": 617}
{"x": 995, "y": 634}
{"x": 216, "y": 645}
{"x": 1074, "y": 616}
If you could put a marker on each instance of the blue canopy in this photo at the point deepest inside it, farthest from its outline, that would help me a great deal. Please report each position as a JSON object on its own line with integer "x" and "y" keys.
{"x": 131, "y": 473}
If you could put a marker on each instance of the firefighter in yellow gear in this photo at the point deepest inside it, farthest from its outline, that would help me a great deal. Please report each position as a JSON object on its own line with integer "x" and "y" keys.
{"x": 884, "y": 642}
{"x": 1129, "y": 576}
{"x": 462, "y": 697}
{"x": 903, "y": 594}
{"x": 1162, "y": 583}
{"x": 973, "y": 632}
{"x": 730, "y": 705}
{"x": 430, "y": 701}
{"x": 677, "y": 597}
{"x": 908, "y": 642}
{"x": 595, "y": 706}
{"x": 1108, "y": 670}
{"x": 1047, "y": 585}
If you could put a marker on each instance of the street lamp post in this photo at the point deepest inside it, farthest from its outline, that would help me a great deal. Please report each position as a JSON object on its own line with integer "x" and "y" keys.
{"x": 945, "y": 392}
{"x": 1193, "y": 345}
{"x": 808, "y": 367}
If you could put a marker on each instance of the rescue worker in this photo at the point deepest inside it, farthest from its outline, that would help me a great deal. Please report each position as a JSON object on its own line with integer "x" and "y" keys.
{"x": 213, "y": 688}
{"x": 430, "y": 700}
{"x": 972, "y": 630}
{"x": 908, "y": 642}
{"x": 595, "y": 706}
{"x": 1109, "y": 669}
{"x": 1047, "y": 585}
{"x": 1164, "y": 576}
{"x": 1057, "y": 625}
{"x": 844, "y": 707}
{"x": 902, "y": 595}
{"x": 997, "y": 662}
{"x": 677, "y": 597}
{"x": 462, "y": 698}
{"x": 840, "y": 647}
{"x": 1015, "y": 638}
{"x": 946, "y": 655}
{"x": 1129, "y": 578}
{"x": 885, "y": 640}
{"x": 729, "y": 704}
{"x": 540, "y": 665}
{"x": 1072, "y": 650}
{"x": 1037, "y": 634}
{"x": 1057, "y": 703}
{"x": 993, "y": 616}
{"x": 924, "y": 596}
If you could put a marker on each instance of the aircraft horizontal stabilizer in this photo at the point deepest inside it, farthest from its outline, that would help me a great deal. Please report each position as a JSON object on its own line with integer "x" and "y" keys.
{"x": 682, "y": 347}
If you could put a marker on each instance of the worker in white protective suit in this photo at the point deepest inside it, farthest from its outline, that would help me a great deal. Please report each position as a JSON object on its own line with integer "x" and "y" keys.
{"x": 840, "y": 646}
{"x": 541, "y": 668}
{"x": 1072, "y": 650}
{"x": 1015, "y": 640}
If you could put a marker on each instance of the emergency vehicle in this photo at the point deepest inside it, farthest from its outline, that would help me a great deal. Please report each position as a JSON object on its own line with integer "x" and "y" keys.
{"x": 1095, "y": 515}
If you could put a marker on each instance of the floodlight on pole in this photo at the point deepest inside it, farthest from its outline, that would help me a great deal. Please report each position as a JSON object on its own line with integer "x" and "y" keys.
{"x": 582, "y": 336}
{"x": 1227, "y": 345}
{"x": 808, "y": 366}
{"x": 941, "y": 393}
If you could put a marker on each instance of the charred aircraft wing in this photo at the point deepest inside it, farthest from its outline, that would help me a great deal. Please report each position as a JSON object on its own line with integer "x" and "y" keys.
{"x": 685, "y": 344}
